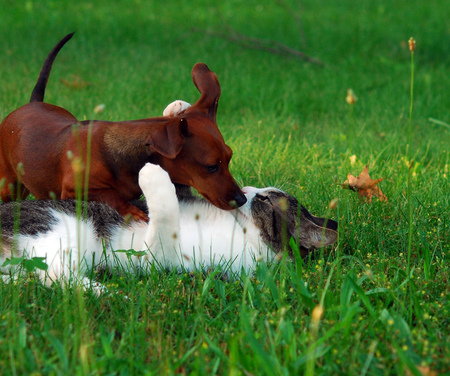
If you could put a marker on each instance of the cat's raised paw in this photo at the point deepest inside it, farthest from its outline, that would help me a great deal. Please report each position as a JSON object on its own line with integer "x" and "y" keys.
{"x": 153, "y": 176}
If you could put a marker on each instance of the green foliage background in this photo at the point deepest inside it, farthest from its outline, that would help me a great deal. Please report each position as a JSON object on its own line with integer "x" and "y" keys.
{"x": 289, "y": 126}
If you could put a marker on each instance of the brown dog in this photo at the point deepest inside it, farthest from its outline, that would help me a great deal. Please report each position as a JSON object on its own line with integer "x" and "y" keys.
{"x": 44, "y": 149}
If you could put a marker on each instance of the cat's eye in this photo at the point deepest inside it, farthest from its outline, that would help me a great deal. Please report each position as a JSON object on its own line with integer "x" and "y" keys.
{"x": 262, "y": 198}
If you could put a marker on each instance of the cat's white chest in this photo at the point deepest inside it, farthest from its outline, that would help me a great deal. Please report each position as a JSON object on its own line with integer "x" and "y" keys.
{"x": 210, "y": 236}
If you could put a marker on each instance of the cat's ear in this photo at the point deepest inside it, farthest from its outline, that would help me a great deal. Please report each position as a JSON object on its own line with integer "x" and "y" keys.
{"x": 314, "y": 232}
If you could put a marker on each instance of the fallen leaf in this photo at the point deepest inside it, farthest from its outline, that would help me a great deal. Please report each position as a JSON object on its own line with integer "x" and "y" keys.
{"x": 75, "y": 83}
{"x": 425, "y": 371}
{"x": 365, "y": 186}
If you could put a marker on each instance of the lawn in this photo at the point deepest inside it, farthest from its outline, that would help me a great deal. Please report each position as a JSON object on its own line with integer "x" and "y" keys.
{"x": 376, "y": 303}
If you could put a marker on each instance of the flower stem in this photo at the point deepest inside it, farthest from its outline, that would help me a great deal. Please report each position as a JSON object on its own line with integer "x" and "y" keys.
{"x": 410, "y": 161}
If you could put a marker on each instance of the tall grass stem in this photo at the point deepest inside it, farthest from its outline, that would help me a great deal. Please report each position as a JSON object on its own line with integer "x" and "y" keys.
{"x": 410, "y": 170}
{"x": 410, "y": 161}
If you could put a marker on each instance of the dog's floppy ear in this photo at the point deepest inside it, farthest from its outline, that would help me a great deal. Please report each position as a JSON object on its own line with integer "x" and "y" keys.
{"x": 208, "y": 85}
{"x": 168, "y": 140}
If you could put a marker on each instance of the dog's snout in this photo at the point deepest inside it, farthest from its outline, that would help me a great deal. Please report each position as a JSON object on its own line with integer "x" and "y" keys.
{"x": 240, "y": 199}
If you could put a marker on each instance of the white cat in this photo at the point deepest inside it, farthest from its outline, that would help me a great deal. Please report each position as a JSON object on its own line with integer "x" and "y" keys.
{"x": 189, "y": 233}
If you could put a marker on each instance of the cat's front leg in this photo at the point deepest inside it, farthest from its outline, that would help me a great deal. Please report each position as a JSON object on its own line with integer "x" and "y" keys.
{"x": 163, "y": 230}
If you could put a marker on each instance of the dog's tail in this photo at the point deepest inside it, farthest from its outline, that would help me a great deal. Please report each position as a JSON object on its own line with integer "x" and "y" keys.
{"x": 39, "y": 90}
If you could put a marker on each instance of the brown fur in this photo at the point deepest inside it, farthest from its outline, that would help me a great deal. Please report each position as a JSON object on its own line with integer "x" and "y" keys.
{"x": 5, "y": 249}
{"x": 43, "y": 138}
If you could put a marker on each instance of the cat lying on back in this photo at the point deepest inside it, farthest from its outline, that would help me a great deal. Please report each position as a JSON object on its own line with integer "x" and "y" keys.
{"x": 188, "y": 233}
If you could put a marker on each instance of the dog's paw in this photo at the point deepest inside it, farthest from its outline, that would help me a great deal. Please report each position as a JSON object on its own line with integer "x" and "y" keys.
{"x": 175, "y": 108}
{"x": 134, "y": 212}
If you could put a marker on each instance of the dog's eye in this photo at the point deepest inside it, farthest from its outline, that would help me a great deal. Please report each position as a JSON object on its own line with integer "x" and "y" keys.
{"x": 213, "y": 168}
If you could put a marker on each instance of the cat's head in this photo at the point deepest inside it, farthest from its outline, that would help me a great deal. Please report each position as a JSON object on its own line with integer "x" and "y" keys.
{"x": 279, "y": 217}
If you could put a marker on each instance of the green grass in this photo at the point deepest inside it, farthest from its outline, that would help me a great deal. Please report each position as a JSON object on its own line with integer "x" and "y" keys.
{"x": 289, "y": 126}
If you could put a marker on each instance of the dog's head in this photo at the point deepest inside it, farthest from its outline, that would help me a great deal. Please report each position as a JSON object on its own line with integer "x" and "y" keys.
{"x": 191, "y": 148}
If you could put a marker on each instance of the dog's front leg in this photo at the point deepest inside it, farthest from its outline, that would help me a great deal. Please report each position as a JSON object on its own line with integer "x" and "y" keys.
{"x": 126, "y": 209}
{"x": 112, "y": 198}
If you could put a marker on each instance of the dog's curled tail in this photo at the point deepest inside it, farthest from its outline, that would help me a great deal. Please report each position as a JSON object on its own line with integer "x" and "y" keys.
{"x": 39, "y": 90}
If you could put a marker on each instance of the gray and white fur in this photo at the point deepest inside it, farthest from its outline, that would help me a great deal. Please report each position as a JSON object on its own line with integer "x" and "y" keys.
{"x": 187, "y": 233}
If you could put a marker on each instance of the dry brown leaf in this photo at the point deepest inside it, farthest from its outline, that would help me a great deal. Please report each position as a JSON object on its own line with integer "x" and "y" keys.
{"x": 424, "y": 370}
{"x": 365, "y": 186}
{"x": 75, "y": 83}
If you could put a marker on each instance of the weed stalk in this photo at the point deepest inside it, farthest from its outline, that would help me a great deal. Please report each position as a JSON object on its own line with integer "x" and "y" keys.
{"x": 412, "y": 44}
{"x": 316, "y": 315}
{"x": 351, "y": 99}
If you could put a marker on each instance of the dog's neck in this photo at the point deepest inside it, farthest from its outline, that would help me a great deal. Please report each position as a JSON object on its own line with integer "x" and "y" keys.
{"x": 125, "y": 144}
